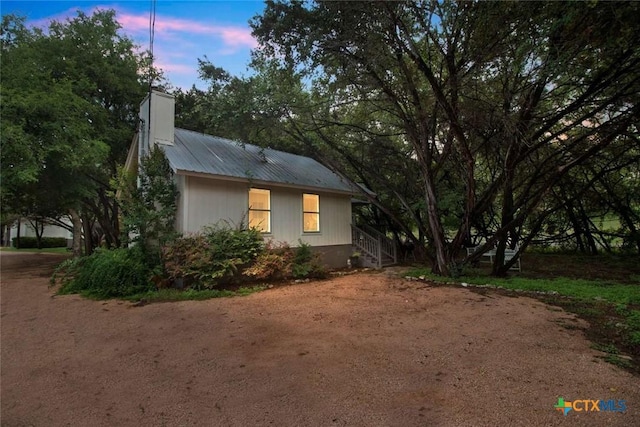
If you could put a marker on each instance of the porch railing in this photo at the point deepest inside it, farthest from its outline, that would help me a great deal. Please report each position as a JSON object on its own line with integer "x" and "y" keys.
{"x": 374, "y": 245}
{"x": 388, "y": 247}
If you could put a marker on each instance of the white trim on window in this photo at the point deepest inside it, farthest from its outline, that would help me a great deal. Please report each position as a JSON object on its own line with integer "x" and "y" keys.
{"x": 310, "y": 213}
{"x": 260, "y": 209}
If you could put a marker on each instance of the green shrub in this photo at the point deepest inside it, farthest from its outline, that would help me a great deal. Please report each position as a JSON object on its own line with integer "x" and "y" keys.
{"x": 215, "y": 256}
{"x": 148, "y": 201}
{"x": 106, "y": 273}
{"x": 303, "y": 253}
{"x": 46, "y": 242}
{"x": 67, "y": 270}
{"x": 221, "y": 255}
{"x": 306, "y": 263}
{"x": 280, "y": 261}
{"x": 275, "y": 262}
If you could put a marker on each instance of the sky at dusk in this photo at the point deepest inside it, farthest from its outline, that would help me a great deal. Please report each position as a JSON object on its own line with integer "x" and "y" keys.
{"x": 185, "y": 30}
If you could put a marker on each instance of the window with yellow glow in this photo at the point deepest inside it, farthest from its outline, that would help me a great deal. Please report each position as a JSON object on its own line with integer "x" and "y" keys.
{"x": 260, "y": 209}
{"x": 311, "y": 213}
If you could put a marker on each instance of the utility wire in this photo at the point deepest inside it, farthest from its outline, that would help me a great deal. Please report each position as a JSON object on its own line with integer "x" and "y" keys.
{"x": 152, "y": 30}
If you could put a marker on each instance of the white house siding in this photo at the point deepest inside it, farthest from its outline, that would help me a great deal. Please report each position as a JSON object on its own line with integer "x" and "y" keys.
{"x": 286, "y": 218}
{"x": 206, "y": 201}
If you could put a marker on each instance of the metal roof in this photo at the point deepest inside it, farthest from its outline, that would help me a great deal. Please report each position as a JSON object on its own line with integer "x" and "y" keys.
{"x": 199, "y": 153}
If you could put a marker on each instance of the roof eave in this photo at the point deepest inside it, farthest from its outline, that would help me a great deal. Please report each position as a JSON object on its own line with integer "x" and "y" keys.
{"x": 258, "y": 182}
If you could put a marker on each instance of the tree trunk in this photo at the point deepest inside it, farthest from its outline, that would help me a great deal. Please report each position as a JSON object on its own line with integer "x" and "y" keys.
{"x": 625, "y": 214}
{"x": 18, "y": 233}
{"x": 498, "y": 268}
{"x": 441, "y": 260}
{"x": 5, "y": 235}
{"x": 38, "y": 227}
{"x": 77, "y": 232}
{"x": 634, "y": 232}
{"x": 88, "y": 235}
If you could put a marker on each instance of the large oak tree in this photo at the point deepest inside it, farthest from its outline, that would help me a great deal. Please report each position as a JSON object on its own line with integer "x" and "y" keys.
{"x": 485, "y": 107}
{"x": 70, "y": 95}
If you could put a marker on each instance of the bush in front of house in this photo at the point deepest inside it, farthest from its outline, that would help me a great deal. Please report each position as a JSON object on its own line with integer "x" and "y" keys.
{"x": 218, "y": 256}
{"x": 222, "y": 255}
{"x": 106, "y": 274}
{"x": 306, "y": 263}
{"x": 275, "y": 262}
{"x": 280, "y": 261}
{"x": 211, "y": 258}
{"x": 45, "y": 242}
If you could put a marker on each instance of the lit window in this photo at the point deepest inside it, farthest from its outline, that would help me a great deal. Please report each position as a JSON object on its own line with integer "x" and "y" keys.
{"x": 260, "y": 209}
{"x": 311, "y": 213}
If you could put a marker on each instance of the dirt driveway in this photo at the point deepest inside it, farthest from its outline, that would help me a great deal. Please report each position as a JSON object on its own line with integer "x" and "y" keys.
{"x": 360, "y": 350}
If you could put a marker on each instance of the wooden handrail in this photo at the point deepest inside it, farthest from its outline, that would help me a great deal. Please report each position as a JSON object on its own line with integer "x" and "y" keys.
{"x": 387, "y": 246}
{"x": 365, "y": 242}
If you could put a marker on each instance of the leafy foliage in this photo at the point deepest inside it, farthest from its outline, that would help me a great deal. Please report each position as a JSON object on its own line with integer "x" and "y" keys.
{"x": 212, "y": 257}
{"x": 275, "y": 262}
{"x": 149, "y": 205}
{"x": 222, "y": 254}
{"x": 280, "y": 261}
{"x": 70, "y": 96}
{"x": 105, "y": 274}
{"x": 460, "y": 128}
{"x": 306, "y": 263}
{"x": 247, "y": 109}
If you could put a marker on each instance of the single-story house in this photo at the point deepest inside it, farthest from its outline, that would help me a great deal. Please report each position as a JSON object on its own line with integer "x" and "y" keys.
{"x": 290, "y": 198}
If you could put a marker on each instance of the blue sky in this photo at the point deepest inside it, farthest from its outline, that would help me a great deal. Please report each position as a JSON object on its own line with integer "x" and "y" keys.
{"x": 185, "y": 30}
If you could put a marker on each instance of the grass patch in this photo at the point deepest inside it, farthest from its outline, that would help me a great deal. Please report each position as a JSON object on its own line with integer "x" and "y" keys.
{"x": 612, "y": 309}
{"x": 606, "y": 348}
{"x": 614, "y": 359}
{"x": 167, "y": 295}
{"x": 598, "y": 290}
{"x": 44, "y": 250}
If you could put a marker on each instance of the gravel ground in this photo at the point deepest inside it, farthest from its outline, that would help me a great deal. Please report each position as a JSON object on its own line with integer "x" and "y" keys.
{"x": 358, "y": 350}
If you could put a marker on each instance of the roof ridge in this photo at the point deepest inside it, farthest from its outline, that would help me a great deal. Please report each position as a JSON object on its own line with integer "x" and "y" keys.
{"x": 212, "y": 136}
{"x": 245, "y": 144}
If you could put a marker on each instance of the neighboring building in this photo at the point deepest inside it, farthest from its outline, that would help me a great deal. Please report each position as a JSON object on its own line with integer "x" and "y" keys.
{"x": 49, "y": 230}
{"x": 290, "y": 198}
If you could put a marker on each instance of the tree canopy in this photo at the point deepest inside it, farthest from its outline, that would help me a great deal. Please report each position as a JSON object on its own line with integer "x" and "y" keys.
{"x": 465, "y": 115}
{"x": 70, "y": 96}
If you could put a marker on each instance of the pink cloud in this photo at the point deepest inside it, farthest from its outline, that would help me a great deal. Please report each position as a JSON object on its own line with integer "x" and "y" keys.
{"x": 231, "y": 36}
{"x": 178, "y": 41}
{"x": 169, "y": 67}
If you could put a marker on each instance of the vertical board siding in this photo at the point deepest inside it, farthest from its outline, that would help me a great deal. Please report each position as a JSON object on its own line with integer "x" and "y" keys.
{"x": 211, "y": 200}
{"x": 286, "y": 221}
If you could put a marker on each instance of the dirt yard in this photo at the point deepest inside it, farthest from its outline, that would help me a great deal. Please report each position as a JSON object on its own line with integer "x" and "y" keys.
{"x": 359, "y": 350}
